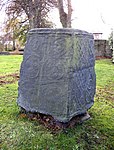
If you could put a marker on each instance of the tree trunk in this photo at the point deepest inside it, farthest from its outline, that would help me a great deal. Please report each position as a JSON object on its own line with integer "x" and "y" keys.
{"x": 113, "y": 55}
{"x": 13, "y": 40}
{"x": 62, "y": 14}
{"x": 112, "y": 46}
{"x": 34, "y": 12}
{"x": 65, "y": 18}
{"x": 69, "y": 14}
{"x": 14, "y": 45}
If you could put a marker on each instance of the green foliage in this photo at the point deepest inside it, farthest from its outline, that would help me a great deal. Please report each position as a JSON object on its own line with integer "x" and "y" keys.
{"x": 20, "y": 133}
{"x": 17, "y": 30}
{"x": 22, "y": 33}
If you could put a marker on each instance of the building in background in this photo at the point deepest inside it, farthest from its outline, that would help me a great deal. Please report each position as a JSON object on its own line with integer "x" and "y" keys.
{"x": 97, "y": 35}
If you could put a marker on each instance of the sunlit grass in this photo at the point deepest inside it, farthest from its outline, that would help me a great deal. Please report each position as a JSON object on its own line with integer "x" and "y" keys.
{"x": 9, "y": 64}
{"x": 104, "y": 72}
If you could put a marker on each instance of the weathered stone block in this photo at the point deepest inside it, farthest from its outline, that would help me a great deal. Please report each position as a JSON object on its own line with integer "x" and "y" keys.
{"x": 57, "y": 74}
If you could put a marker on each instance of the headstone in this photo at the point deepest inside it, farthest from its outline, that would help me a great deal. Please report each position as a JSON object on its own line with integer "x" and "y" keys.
{"x": 57, "y": 74}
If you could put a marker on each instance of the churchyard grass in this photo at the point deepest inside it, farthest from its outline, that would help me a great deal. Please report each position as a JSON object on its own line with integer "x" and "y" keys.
{"x": 9, "y": 64}
{"x": 19, "y": 133}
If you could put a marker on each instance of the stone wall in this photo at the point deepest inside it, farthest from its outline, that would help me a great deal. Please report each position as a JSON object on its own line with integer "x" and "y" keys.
{"x": 102, "y": 49}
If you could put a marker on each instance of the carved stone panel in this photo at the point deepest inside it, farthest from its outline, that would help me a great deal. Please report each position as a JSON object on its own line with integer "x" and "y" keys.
{"x": 57, "y": 74}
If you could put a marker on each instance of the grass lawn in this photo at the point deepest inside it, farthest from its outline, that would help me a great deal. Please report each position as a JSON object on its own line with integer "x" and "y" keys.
{"x": 19, "y": 133}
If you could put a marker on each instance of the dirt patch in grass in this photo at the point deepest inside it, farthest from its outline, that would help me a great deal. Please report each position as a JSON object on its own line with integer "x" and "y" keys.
{"x": 8, "y": 79}
{"x": 49, "y": 122}
{"x": 102, "y": 57}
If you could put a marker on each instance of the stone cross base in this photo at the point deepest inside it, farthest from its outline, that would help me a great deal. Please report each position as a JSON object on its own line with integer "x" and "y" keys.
{"x": 57, "y": 74}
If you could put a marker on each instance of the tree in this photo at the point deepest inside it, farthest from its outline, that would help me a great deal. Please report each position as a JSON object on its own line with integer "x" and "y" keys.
{"x": 65, "y": 18}
{"x": 16, "y": 30}
{"x": 110, "y": 39}
{"x": 24, "y": 15}
{"x": 28, "y": 14}
{"x": 10, "y": 28}
{"x": 36, "y": 11}
{"x": 1, "y": 46}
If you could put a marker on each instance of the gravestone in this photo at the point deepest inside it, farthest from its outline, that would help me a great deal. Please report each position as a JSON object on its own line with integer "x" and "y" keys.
{"x": 57, "y": 74}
